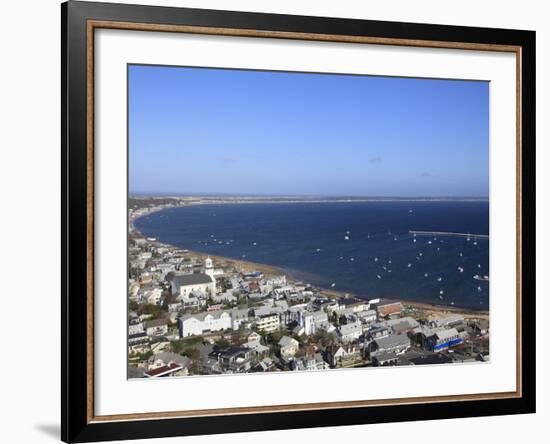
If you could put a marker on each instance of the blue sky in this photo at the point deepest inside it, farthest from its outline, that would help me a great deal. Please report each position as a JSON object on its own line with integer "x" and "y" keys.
{"x": 195, "y": 131}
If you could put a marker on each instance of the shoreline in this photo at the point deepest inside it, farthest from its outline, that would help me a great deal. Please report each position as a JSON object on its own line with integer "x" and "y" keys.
{"x": 435, "y": 310}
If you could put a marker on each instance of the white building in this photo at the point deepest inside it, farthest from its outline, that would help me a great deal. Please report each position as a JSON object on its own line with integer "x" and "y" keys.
{"x": 268, "y": 322}
{"x": 153, "y": 296}
{"x": 185, "y": 284}
{"x": 289, "y": 346}
{"x": 313, "y": 320}
{"x": 349, "y": 332}
{"x": 198, "y": 324}
{"x": 209, "y": 269}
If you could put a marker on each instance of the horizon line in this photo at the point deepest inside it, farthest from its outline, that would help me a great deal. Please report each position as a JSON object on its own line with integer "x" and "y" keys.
{"x": 318, "y": 196}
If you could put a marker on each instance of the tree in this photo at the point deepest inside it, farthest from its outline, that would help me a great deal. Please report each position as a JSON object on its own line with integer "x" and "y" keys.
{"x": 151, "y": 309}
{"x": 192, "y": 353}
{"x": 222, "y": 343}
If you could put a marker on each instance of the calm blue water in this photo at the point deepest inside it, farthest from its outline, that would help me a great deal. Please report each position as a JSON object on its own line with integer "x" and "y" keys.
{"x": 309, "y": 241}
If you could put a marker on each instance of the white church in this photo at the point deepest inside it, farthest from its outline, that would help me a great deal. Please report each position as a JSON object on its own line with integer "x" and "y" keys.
{"x": 183, "y": 285}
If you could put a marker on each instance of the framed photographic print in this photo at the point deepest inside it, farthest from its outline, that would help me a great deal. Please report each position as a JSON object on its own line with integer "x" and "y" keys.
{"x": 275, "y": 221}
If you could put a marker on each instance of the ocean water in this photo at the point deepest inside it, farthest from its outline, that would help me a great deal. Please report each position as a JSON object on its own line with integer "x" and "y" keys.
{"x": 362, "y": 248}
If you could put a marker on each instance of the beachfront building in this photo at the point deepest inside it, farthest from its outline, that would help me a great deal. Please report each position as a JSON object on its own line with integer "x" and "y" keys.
{"x": 389, "y": 309}
{"x": 443, "y": 339}
{"x": 395, "y": 344}
{"x": 182, "y": 285}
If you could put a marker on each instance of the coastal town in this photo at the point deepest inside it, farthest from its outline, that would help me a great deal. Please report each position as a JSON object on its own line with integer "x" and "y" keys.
{"x": 193, "y": 314}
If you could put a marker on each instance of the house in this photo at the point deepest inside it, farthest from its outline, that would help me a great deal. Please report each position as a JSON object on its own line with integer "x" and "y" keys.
{"x": 261, "y": 351}
{"x": 254, "y": 337}
{"x": 367, "y": 316}
{"x": 135, "y": 326}
{"x": 480, "y": 327}
{"x": 138, "y": 343}
{"x": 265, "y": 365}
{"x": 165, "y": 359}
{"x": 154, "y": 296}
{"x": 312, "y": 320}
{"x": 174, "y": 306}
{"x": 443, "y": 339}
{"x": 353, "y": 304}
{"x": 339, "y": 355}
{"x": 389, "y": 309}
{"x": 234, "y": 359}
{"x": 156, "y": 327}
{"x": 183, "y": 285}
{"x": 385, "y": 359}
{"x": 315, "y": 362}
{"x": 200, "y": 323}
{"x": 453, "y": 320}
{"x": 395, "y": 344}
{"x": 239, "y": 316}
{"x": 349, "y": 332}
{"x": 379, "y": 331}
{"x": 166, "y": 370}
{"x": 268, "y": 322}
{"x": 402, "y": 325}
{"x": 288, "y": 346}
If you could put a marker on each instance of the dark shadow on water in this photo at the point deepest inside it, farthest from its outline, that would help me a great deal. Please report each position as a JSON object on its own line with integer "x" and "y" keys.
{"x": 51, "y": 430}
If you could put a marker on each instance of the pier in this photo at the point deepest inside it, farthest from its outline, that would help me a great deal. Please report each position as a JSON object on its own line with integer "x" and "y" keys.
{"x": 448, "y": 233}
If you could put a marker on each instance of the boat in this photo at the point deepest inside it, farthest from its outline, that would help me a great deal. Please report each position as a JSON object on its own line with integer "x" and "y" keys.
{"x": 346, "y": 237}
{"x": 479, "y": 277}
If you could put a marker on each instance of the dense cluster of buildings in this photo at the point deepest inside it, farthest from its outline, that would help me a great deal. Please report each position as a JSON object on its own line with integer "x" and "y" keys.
{"x": 191, "y": 315}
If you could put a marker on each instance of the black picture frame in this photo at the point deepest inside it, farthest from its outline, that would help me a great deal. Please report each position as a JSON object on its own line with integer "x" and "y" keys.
{"x": 76, "y": 423}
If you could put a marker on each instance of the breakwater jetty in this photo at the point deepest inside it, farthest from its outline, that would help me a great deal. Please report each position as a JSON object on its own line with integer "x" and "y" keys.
{"x": 448, "y": 233}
